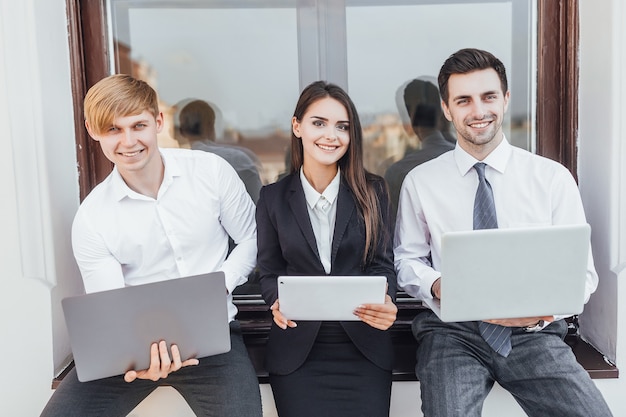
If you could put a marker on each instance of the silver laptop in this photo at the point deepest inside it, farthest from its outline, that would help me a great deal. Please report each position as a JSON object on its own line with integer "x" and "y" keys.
{"x": 328, "y": 297}
{"x": 511, "y": 273}
{"x": 111, "y": 331}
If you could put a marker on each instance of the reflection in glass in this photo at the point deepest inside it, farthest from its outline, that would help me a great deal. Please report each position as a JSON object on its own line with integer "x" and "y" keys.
{"x": 419, "y": 106}
{"x": 247, "y": 60}
{"x": 194, "y": 128}
{"x": 420, "y": 37}
{"x": 244, "y": 61}
{"x": 250, "y": 58}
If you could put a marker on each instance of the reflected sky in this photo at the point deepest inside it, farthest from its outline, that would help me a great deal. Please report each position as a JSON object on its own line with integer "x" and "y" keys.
{"x": 253, "y": 76}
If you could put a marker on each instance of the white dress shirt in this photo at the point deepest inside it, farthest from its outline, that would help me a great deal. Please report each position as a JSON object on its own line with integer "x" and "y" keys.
{"x": 122, "y": 238}
{"x": 438, "y": 196}
{"x": 322, "y": 212}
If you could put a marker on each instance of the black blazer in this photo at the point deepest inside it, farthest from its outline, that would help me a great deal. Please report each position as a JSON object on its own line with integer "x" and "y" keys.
{"x": 287, "y": 246}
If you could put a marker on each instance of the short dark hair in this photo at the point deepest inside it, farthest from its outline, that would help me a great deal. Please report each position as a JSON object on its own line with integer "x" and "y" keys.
{"x": 196, "y": 120}
{"x": 421, "y": 99}
{"x": 468, "y": 60}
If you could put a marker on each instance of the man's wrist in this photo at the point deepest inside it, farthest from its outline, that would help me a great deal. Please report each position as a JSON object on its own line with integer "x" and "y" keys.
{"x": 435, "y": 289}
{"x": 535, "y": 327}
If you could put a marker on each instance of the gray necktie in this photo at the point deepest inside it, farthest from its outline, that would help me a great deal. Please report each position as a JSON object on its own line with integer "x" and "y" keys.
{"x": 498, "y": 337}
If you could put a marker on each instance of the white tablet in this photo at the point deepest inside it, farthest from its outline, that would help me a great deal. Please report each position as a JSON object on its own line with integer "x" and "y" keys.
{"x": 328, "y": 297}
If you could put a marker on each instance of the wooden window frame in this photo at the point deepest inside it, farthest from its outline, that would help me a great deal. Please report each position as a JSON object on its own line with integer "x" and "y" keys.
{"x": 557, "y": 81}
{"x": 557, "y": 131}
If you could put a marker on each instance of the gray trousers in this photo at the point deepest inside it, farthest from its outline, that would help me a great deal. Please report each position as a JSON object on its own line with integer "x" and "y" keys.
{"x": 457, "y": 369}
{"x": 219, "y": 386}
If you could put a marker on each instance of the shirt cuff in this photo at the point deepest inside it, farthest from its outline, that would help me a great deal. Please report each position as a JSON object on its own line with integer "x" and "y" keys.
{"x": 427, "y": 285}
{"x": 233, "y": 280}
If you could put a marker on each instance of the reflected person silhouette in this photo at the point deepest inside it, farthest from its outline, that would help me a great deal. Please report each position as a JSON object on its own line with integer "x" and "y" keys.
{"x": 419, "y": 101}
{"x": 194, "y": 127}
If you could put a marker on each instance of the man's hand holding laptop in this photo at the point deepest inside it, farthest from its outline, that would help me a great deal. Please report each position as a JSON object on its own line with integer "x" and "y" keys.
{"x": 522, "y": 322}
{"x": 161, "y": 365}
{"x": 513, "y": 322}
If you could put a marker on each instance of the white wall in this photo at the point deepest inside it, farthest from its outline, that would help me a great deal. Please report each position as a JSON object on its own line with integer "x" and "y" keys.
{"x": 39, "y": 198}
{"x": 40, "y": 195}
{"x": 601, "y": 176}
{"x": 602, "y": 172}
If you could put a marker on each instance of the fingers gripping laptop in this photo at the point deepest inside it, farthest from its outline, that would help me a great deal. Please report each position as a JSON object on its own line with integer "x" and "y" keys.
{"x": 512, "y": 273}
{"x": 111, "y": 331}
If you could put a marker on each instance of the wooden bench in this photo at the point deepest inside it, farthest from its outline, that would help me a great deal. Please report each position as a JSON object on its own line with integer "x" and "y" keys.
{"x": 256, "y": 319}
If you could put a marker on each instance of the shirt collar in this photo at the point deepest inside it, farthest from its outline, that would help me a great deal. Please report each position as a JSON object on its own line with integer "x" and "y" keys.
{"x": 497, "y": 159}
{"x": 122, "y": 190}
{"x": 311, "y": 194}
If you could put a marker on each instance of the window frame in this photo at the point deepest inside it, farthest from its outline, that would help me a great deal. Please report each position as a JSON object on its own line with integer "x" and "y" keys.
{"x": 556, "y": 121}
{"x": 557, "y": 81}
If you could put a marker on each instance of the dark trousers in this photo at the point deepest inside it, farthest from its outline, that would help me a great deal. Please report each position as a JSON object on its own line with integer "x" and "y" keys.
{"x": 219, "y": 386}
{"x": 457, "y": 369}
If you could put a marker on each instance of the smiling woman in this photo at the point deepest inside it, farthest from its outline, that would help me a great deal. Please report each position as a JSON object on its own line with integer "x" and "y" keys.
{"x": 332, "y": 217}
{"x": 325, "y": 134}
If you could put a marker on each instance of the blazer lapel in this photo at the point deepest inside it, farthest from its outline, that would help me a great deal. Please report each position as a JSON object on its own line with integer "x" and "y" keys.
{"x": 345, "y": 209}
{"x": 297, "y": 202}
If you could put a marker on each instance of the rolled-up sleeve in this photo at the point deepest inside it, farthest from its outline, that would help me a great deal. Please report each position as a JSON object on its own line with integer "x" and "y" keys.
{"x": 412, "y": 245}
{"x": 237, "y": 216}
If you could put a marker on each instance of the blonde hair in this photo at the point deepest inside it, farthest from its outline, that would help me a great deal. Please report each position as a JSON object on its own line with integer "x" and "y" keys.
{"x": 118, "y": 95}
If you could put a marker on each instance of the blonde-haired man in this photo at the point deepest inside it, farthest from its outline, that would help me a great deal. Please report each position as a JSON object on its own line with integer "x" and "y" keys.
{"x": 161, "y": 214}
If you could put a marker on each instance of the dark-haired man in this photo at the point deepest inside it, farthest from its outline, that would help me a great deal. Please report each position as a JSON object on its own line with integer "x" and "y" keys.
{"x": 458, "y": 363}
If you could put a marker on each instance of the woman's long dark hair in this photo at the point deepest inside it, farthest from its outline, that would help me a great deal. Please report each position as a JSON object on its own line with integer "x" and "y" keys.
{"x": 351, "y": 164}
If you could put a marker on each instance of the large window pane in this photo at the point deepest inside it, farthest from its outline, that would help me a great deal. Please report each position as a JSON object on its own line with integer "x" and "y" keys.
{"x": 394, "y": 53}
{"x": 390, "y": 46}
{"x": 242, "y": 61}
{"x": 249, "y": 59}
